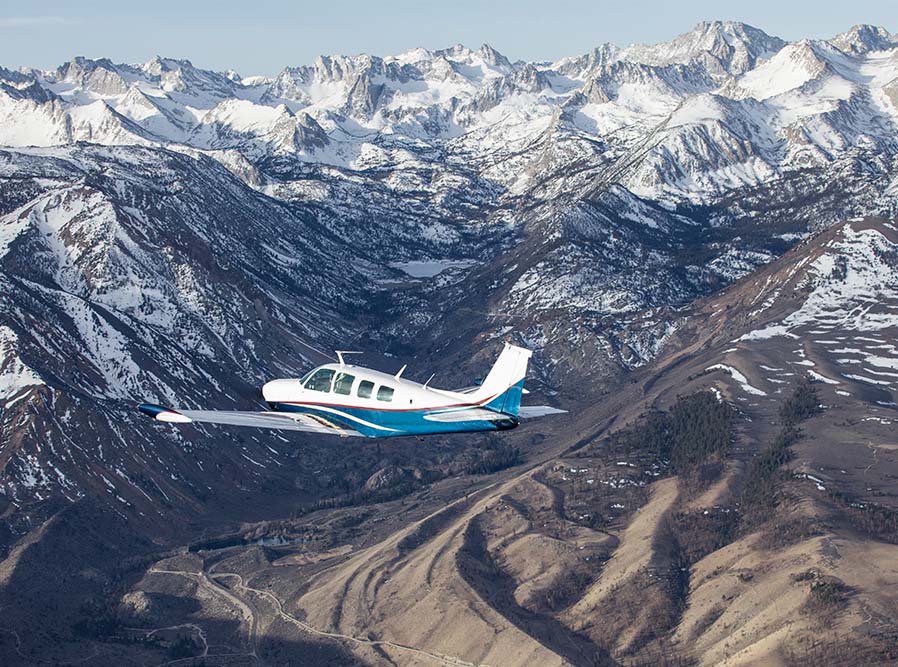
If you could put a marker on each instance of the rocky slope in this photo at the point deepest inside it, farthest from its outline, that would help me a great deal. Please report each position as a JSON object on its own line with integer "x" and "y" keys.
{"x": 570, "y": 172}
{"x": 180, "y": 235}
{"x": 600, "y": 551}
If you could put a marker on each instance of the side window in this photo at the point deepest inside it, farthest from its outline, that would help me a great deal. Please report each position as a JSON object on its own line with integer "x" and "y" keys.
{"x": 365, "y": 389}
{"x": 320, "y": 380}
{"x": 385, "y": 394}
{"x": 343, "y": 383}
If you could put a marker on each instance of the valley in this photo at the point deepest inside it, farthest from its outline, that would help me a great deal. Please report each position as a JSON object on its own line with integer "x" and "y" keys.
{"x": 696, "y": 238}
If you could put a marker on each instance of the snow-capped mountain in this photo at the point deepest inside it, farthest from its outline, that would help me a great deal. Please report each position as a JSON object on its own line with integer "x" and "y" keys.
{"x": 758, "y": 106}
{"x": 161, "y": 223}
{"x": 173, "y": 234}
{"x": 128, "y": 272}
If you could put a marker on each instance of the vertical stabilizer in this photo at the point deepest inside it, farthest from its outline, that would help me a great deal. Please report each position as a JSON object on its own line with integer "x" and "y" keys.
{"x": 502, "y": 388}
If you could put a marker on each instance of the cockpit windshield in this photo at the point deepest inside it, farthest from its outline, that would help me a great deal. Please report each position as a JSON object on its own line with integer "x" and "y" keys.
{"x": 320, "y": 380}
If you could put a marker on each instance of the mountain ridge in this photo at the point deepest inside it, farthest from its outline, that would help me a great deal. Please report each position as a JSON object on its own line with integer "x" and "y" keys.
{"x": 632, "y": 215}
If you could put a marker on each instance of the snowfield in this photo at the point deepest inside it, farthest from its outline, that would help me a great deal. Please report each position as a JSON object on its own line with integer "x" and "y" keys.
{"x": 181, "y": 235}
{"x": 767, "y": 108}
{"x": 848, "y": 281}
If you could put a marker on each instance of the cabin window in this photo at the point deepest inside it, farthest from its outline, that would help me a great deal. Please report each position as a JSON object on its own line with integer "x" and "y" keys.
{"x": 343, "y": 383}
{"x": 385, "y": 394}
{"x": 320, "y": 380}
{"x": 365, "y": 389}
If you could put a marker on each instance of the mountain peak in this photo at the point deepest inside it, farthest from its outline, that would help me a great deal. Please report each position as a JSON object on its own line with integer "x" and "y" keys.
{"x": 455, "y": 52}
{"x": 863, "y": 38}
{"x": 733, "y": 33}
{"x": 154, "y": 66}
{"x": 414, "y": 55}
{"x": 720, "y": 27}
{"x": 732, "y": 47}
{"x": 158, "y": 65}
{"x": 493, "y": 57}
{"x": 81, "y": 65}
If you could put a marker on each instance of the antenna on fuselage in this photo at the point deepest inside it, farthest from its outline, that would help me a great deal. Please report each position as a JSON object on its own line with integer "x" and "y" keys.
{"x": 400, "y": 371}
{"x": 340, "y": 354}
{"x": 432, "y": 376}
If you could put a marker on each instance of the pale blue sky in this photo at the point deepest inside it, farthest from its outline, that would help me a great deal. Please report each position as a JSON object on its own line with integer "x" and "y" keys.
{"x": 263, "y": 36}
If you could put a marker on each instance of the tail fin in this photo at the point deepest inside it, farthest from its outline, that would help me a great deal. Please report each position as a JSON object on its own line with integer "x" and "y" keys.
{"x": 502, "y": 387}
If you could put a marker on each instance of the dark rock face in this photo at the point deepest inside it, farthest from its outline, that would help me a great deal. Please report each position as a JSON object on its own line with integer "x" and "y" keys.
{"x": 278, "y": 225}
{"x": 184, "y": 236}
{"x": 386, "y": 478}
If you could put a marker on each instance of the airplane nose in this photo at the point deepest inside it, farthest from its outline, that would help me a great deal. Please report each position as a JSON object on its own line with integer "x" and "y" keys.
{"x": 280, "y": 390}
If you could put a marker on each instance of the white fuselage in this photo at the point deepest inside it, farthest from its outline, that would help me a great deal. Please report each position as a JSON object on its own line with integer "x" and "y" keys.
{"x": 379, "y": 404}
{"x": 405, "y": 395}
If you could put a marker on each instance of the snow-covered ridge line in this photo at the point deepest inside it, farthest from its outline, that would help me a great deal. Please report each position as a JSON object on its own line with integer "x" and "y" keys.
{"x": 746, "y": 105}
{"x": 847, "y": 281}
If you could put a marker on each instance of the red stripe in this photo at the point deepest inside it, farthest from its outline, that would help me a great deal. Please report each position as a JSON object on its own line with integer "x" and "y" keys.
{"x": 379, "y": 409}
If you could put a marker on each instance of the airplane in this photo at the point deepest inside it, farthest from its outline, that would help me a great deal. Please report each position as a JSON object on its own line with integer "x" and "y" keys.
{"x": 346, "y": 400}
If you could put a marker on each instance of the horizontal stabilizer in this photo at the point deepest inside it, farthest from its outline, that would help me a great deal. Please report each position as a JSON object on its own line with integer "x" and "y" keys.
{"x": 466, "y": 415}
{"x": 531, "y": 411}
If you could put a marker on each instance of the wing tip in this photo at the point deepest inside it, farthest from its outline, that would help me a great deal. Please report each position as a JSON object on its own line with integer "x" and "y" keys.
{"x": 163, "y": 414}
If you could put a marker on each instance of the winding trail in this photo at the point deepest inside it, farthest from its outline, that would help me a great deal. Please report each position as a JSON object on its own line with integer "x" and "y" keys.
{"x": 18, "y": 639}
{"x": 252, "y": 614}
{"x": 193, "y": 626}
{"x": 470, "y": 502}
{"x": 249, "y": 612}
{"x": 279, "y": 608}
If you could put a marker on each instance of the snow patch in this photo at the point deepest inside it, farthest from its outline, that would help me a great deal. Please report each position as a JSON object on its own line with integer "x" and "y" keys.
{"x": 822, "y": 378}
{"x": 433, "y": 267}
{"x": 738, "y": 377}
{"x": 15, "y": 375}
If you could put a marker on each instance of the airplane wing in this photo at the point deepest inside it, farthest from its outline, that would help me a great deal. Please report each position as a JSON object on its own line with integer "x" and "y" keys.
{"x": 289, "y": 421}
